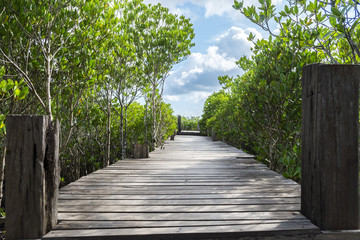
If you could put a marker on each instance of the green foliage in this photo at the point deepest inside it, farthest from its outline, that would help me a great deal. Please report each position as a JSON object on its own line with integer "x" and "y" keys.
{"x": 322, "y": 26}
{"x": 2, "y": 213}
{"x": 10, "y": 92}
{"x": 189, "y": 123}
{"x": 261, "y": 110}
{"x": 212, "y": 110}
{"x": 86, "y": 63}
{"x": 172, "y": 44}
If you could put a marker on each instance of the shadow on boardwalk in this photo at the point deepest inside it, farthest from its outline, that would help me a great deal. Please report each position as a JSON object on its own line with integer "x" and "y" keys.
{"x": 193, "y": 189}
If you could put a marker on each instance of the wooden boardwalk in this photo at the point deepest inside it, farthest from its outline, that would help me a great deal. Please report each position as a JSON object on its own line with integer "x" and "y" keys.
{"x": 193, "y": 189}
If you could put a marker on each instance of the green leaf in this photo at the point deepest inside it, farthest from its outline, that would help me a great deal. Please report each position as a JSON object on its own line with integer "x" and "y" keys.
{"x": 355, "y": 24}
{"x": 335, "y": 11}
{"x": 332, "y": 21}
{"x": 287, "y": 10}
{"x": 236, "y": 5}
{"x": 296, "y": 10}
{"x": 310, "y": 7}
{"x": 17, "y": 93}
{"x": 23, "y": 93}
{"x": 327, "y": 34}
{"x": 340, "y": 36}
{"x": 9, "y": 84}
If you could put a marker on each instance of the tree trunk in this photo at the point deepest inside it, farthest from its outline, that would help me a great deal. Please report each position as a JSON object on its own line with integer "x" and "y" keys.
{"x": 146, "y": 142}
{"x": 124, "y": 144}
{"x": 108, "y": 135}
{"x": 122, "y": 131}
{"x": 153, "y": 132}
{"x": 2, "y": 168}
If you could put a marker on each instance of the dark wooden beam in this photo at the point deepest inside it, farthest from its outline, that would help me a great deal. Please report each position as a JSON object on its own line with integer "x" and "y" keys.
{"x": 32, "y": 176}
{"x": 330, "y": 117}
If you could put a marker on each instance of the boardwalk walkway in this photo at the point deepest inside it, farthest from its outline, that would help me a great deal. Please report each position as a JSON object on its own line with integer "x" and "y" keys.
{"x": 193, "y": 189}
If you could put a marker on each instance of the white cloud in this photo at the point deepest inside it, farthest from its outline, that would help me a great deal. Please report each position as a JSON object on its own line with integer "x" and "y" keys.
{"x": 197, "y": 77}
{"x": 200, "y": 71}
{"x": 172, "y": 98}
{"x": 197, "y": 97}
{"x": 212, "y": 7}
{"x": 216, "y": 7}
{"x": 193, "y": 80}
{"x": 234, "y": 41}
{"x": 212, "y": 60}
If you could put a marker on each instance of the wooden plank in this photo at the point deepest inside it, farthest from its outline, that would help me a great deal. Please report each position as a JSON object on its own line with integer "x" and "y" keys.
{"x": 69, "y": 225}
{"x": 249, "y": 192}
{"x": 285, "y": 187}
{"x": 178, "y": 216}
{"x": 70, "y": 195}
{"x": 178, "y": 161}
{"x": 208, "y": 172}
{"x": 181, "y": 178}
{"x": 166, "y": 202}
{"x": 210, "y": 194}
{"x": 153, "y": 182}
{"x": 178, "y": 208}
{"x": 189, "y": 232}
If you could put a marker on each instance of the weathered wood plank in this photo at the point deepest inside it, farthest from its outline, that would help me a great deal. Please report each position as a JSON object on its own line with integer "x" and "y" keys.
{"x": 68, "y": 225}
{"x": 165, "y": 202}
{"x": 70, "y": 195}
{"x": 183, "y": 177}
{"x": 165, "y": 188}
{"x": 179, "y": 208}
{"x": 168, "y": 182}
{"x": 178, "y": 192}
{"x": 198, "y": 186}
{"x": 189, "y": 232}
{"x": 179, "y": 216}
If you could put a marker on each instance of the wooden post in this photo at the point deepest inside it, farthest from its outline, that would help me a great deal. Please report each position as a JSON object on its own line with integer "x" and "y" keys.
{"x": 213, "y": 135}
{"x": 141, "y": 150}
{"x": 179, "y": 124}
{"x": 330, "y": 116}
{"x": 172, "y": 137}
{"x": 32, "y": 176}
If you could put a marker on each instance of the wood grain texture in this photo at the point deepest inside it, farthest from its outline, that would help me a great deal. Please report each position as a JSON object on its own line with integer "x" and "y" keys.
{"x": 330, "y": 117}
{"x": 32, "y": 176}
{"x": 194, "y": 189}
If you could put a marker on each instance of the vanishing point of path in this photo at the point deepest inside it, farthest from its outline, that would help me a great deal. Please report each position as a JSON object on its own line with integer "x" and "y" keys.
{"x": 193, "y": 189}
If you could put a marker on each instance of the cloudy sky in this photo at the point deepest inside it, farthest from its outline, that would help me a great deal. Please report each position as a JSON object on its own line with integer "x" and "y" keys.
{"x": 220, "y": 39}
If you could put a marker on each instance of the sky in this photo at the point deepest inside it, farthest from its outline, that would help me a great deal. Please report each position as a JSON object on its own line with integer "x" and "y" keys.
{"x": 221, "y": 34}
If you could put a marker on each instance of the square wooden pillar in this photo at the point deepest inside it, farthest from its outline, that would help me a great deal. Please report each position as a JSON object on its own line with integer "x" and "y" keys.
{"x": 32, "y": 176}
{"x": 330, "y": 117}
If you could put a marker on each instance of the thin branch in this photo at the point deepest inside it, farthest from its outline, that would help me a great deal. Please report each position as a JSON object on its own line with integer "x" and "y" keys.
{"x": 26, "y": 78}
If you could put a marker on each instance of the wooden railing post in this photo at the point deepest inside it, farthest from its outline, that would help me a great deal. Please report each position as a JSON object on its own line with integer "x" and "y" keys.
{"x": 179, "y": 124}
{"x": 330, "y": 116}
{"x": 141, "y": 150}
{"x": 172, "y": 137}
{"x": 32, "y": 176}
{"x": 214, "y": 135}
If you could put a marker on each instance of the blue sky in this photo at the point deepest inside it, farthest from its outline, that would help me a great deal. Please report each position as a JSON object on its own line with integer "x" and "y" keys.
{"x": 220, "y": 39}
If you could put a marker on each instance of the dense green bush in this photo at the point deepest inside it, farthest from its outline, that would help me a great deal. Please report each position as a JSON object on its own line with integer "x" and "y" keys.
{"x": 190, "y": 123}
{"x": 261, "y": 110}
